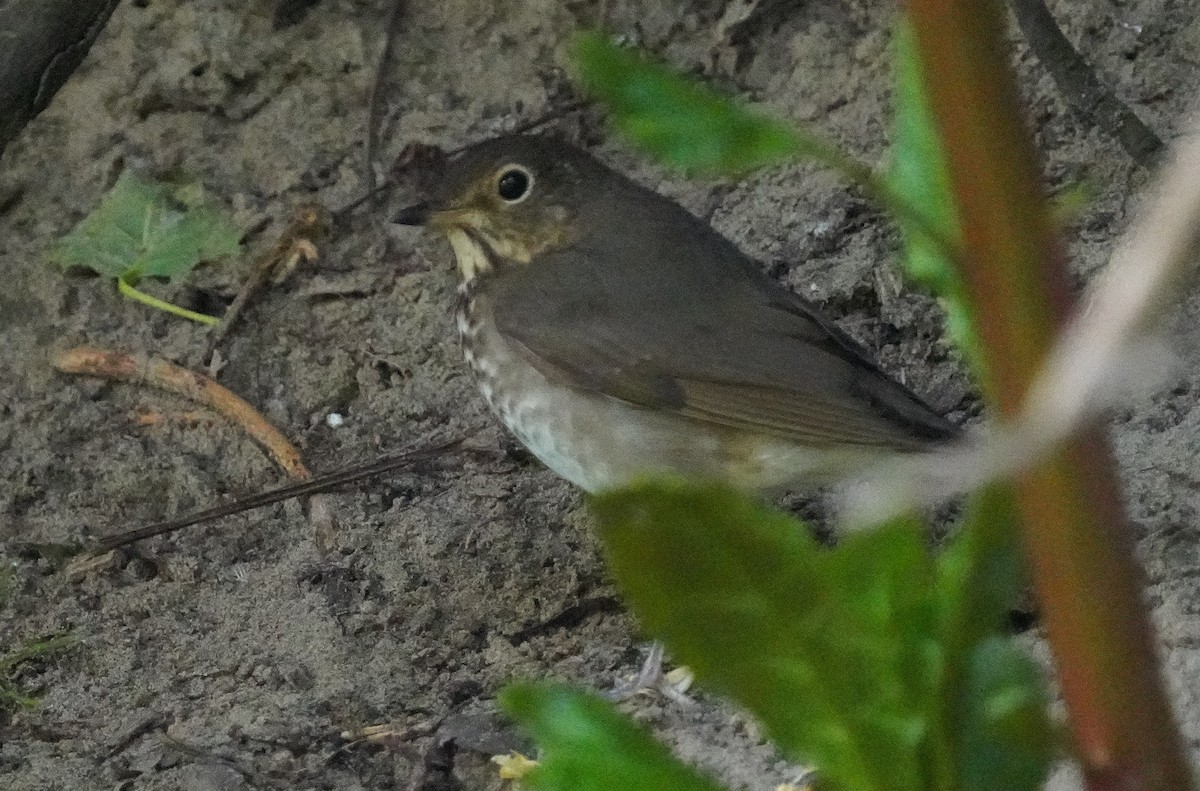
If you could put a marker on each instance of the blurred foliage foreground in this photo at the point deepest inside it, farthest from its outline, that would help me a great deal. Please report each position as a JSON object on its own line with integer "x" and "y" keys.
{"x": 881, "y": 663}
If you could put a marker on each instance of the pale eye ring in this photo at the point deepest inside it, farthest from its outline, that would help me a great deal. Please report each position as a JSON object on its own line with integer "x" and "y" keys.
{"x": 514, "y": 183}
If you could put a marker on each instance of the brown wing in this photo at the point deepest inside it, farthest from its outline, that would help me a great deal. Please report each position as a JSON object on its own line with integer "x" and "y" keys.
{"x": 712, "y": 339}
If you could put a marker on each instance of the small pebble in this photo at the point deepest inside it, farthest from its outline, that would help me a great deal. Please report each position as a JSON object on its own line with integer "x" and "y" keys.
{"x": 334, "y": 419}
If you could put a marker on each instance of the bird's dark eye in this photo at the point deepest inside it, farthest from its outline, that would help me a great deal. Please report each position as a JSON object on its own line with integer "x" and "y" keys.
{"x": 514, "y": 183}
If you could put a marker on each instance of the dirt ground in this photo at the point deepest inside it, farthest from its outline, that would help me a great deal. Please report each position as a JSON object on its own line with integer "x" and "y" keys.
{"x": 235, "y": 655}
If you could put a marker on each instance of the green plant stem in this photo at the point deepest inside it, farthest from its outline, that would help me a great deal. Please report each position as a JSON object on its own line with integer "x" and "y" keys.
{"x": 1075, "y": 532}
{"x": 36, "y": 649}
{"x": 128, "y": 290}
{"x": 10, "y": 693}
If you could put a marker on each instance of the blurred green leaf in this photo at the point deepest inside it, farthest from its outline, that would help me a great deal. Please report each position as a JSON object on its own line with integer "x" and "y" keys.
{"x": 995, "y": 715}
{"x": 143, "y": 228}
{"x": 919, "y": 172}
{"x": 861, "y": 659}
{"x": 835, "y": 651}
{"x": 1007, "y": 740}
{"x": 980, "y": 572}
{"x": 589, "y": 746}
{"x": 679, "y": 121}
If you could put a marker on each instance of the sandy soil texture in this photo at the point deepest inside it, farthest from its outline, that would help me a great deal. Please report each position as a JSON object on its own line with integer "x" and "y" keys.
{"x": 235, "y": 655}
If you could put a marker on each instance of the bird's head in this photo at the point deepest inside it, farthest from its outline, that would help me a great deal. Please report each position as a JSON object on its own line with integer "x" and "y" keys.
{"x": 507, "y": 200}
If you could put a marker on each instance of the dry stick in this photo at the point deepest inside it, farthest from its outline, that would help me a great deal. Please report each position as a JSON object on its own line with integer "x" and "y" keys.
{"x": 1079, "y": 84}
{"x": 385, "y": 60}
{"x": 320, "y": 483}
{"x": 298, "y": 241}
{"x": 141, "y": 369}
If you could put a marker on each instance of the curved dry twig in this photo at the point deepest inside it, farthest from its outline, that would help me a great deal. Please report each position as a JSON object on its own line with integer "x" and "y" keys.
{"x": 143, "y": 369}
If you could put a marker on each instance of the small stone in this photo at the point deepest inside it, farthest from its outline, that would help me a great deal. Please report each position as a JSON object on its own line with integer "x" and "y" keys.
{"x": 211, "y": 777}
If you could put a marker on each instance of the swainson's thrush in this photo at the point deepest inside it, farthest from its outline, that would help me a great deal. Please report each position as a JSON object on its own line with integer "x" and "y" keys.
{"x": 615, "y": 334}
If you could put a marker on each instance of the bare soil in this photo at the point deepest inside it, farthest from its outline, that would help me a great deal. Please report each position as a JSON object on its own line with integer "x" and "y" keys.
{"x": 235, "y": 655}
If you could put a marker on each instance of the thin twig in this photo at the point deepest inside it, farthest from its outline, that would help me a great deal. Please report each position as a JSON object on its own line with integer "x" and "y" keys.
{"x": 340, "y": 214}
{"x": 142, "y": 369}
{"x": 1080, "y": 85}
{"x": 386, "y": 734}
{"x": 321, "y": 483}
{"x": 385, "y": 61}
{"x": 298, "y": 242}
{"x": 553, "y": 114}
{"x": 153, "y": 722}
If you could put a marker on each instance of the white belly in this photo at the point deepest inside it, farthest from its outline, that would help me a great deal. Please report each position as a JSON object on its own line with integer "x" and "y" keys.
{"x": 597, "y": 442}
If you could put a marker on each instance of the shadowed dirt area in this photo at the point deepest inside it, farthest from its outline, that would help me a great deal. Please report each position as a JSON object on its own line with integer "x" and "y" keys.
{"x": 234, "y": 655}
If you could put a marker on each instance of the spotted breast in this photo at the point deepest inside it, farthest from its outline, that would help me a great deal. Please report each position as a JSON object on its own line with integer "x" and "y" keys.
{"x": 538, "y": 412}
{"x": 599, "y": 442}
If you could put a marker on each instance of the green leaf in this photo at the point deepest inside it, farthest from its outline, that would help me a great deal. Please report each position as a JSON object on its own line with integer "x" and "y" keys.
{"x": 866, "y": 660}
{"x": 589, "y": 746}
{"x": 836, "y": 651}
{"x": 678, "y": 120}
{"x": 1007, "y": 740}
{"x": 980, "y": 573}
{"x": 920, "y": 173}
{"x": 143, "y": 228}
{"x": 919, "y": 169}
{"x": 691, "y": 127}
{"x": 997, "y": 726}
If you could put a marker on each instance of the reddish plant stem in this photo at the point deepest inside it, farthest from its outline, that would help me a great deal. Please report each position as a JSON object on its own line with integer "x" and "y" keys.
{"x": 1074, "y": 527}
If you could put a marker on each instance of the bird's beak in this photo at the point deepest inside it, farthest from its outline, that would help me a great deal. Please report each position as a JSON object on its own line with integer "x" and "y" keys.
{"x": 417, "y": 214}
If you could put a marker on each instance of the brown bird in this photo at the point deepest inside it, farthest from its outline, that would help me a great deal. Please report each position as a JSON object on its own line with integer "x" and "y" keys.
{"x": 617, "y": 335}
